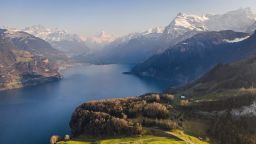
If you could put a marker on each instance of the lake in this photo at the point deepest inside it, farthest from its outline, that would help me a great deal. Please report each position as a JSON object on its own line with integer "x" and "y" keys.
{"x": 31, "y": 115}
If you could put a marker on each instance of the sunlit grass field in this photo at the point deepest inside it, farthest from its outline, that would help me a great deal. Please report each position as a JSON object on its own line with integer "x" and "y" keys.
{"x": 175, "y": 137}
{"x": 132, "y": 140}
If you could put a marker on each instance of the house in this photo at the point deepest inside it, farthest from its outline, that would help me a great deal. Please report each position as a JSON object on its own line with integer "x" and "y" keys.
{"x": 183, "y": 97}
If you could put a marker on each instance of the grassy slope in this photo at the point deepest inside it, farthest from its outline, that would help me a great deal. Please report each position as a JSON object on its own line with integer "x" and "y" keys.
{"x": 146, "y": 139}
{"x": 187, "y": 138}
{"x": 134, "y": 140}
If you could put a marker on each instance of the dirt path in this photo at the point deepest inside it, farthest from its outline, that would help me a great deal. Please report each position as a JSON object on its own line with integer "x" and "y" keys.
{"x": 177, "y": 134}
{"x": 183, "y": 139}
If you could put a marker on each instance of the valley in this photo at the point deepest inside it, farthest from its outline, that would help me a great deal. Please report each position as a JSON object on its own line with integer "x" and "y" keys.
{"x": 148, "y": 80}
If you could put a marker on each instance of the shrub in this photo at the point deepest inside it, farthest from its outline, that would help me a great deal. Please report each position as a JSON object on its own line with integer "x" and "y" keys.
{"x": 229, "y": 129}
{"x": 184, "y": 102}
{"x": 160, "y": 123}
{"x": 230, "y": 102}
{"x": 155, "y": 110}
{"x": 113, "y": 107}
{"x": 101, "y": 124}
{"x": 135, "y": 109}
{"x": 167, "y": 98}
{"x": 153, "y": 97}
{"x": 54, "y": 139}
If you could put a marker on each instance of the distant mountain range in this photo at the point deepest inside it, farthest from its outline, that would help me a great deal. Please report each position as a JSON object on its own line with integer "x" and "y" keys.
{"x": 136, "y": 48}
{"x": 166, "y": 53}
{"x": 99, "y": 41}
{"x": 132, "y": 48}
{"x": 70, "y": 44}
{"x": 24, "y": 41}
{"x": 187, "y": 25}
{"x": 33, "y": 55}
{"x": 252, "y": 28}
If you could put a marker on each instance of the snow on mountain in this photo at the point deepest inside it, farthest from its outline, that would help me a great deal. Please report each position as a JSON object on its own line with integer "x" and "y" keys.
{"x": 100, "y": 40}
{"x": 55, "y": 34}
{"x": 155, "y": 30}
{"x": 51, "y": 34}
{"x": 189, "y": 59}
{"x": 236, "y": 40}
{"x": 178, "y": 52}
{"x": 151, "y": 41}
{"x": 245, "y": 110}
{"x": 252, "y": 28}
{"x": 150, "y": 33}
{"x": 27, "y": 42}
{"x": 103, "y": 37}
{"x": 236, "y": 20}
{"x": 15, "y": 33}
{"x": 70, "y": 44}
{"x": 182, "y": 27}
{"x": 136, "y": 47}
{"x": 185, "y": 26}
{"x": 132, "y": 48}
{"x": 184, "y": 23}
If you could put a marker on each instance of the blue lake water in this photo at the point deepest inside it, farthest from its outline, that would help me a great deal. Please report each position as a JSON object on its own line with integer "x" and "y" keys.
{"x": 31, "y": 115}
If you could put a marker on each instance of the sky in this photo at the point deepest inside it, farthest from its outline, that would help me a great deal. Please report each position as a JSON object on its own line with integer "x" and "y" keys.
{"x": 120, "y": 17}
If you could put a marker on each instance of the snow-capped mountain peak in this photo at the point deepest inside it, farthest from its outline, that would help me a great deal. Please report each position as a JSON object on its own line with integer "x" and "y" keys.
{"x": 186, "y": 25}
{"x": 248, "y": 12}
{"x": 15, "y": 33}
{"x": 252, "y": 28}
{"x": 187, "y": 21}
{"x": 51, "y": 34}
{"x": 236, "y": 20}
{"x": 154, "y": 30}
{"x": 103, "y": 34}
{"x": 191, "y": 22}
{"x": 103, "y": 37}
{"x": 99, "y": 41}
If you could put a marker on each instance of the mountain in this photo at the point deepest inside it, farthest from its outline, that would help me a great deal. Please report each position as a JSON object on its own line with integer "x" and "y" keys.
{"x": 51, "y": 34}
{"x": 24, "y": 41}
{"x": 182, "y": 27}
{"x": 135, "y": 48}
{"x": 185, "y": 26}
{"x": 236, "y": 20}
{"x": 70, "y": 44}
{"x": 226, "y": 95}
{"x": 252, "y": 28}
{"x": 191, "y": 58}
{"x": 223, "y": 77}
{"x": 132, "y": 48}
{"x": 20, "y": 68}
{"x": 6, "y": 55}
{"x": 99, "y": 41}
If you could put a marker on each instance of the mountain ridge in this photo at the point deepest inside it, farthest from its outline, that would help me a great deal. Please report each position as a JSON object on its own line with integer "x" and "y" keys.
{"x": 24, "y": 41}
{"x": 20, "y": 68}
{"x": 137, "y": 47}
{"x": 193, "y": 57}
